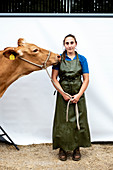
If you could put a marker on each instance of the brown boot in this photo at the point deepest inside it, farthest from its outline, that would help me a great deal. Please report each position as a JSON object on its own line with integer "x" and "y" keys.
{"x": 76, "y": 154}
{"x": 62, "y": 155}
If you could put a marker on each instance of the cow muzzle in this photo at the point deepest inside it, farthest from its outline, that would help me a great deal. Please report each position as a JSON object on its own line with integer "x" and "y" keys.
{"x": 59, "y": 57}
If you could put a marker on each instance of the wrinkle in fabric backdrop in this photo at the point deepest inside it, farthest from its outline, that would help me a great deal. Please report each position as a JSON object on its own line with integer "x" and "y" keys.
{"x": 27, "y": 107}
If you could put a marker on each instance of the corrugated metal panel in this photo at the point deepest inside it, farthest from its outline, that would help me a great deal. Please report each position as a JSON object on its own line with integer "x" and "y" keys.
{"x": 59, "y": 6}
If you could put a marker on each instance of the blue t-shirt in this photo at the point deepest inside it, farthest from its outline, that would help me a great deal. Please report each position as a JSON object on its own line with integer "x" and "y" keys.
{"x": 83, "y": 62}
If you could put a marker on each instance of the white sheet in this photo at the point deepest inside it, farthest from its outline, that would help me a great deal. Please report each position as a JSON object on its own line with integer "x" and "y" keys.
{"x": 27, "y": 107}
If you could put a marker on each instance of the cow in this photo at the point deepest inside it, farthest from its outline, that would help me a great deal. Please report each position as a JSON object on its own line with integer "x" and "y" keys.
{"x": 22, "y": 60}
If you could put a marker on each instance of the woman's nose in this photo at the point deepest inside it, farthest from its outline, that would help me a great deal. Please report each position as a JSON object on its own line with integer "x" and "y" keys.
{"x": 69, "y": 45}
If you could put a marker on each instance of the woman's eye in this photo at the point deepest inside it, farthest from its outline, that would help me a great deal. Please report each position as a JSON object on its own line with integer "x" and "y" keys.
{"x": 67, "y": 43}
{"x": 72, "y": 42}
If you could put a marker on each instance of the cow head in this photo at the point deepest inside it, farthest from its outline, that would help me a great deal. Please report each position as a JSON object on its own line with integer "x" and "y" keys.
{"x": 12, "y": 65}
{"x": 32, "y": 53}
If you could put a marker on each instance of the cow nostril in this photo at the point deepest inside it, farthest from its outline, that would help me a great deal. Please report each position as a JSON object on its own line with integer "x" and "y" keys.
{"x": 59, "y": 56}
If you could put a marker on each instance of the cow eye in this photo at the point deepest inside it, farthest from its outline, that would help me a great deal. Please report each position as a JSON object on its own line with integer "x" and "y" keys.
{"x": 35, "y": 50}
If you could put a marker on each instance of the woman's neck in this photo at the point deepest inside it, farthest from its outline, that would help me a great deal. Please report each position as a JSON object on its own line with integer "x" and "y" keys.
{"x": 71, "y": 55}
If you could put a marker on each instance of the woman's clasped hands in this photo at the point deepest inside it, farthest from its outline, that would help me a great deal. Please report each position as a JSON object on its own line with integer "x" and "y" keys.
{"x": 74, "y": 99}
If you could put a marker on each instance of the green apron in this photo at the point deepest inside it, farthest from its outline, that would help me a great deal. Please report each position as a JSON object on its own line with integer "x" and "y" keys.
{"x": 66, "y": 134}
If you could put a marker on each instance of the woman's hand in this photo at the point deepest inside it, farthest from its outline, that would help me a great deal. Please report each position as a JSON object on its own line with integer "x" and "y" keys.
{"x": 75, "y": 98}
{"x": 58, "y": 86}
{"x": 66, "y": 97}
{"x": 85, "y": 83}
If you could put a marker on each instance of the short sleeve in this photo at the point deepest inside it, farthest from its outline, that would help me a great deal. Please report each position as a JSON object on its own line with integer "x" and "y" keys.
{"x": 84, "y": 64}
{"x": 56, "y": 67}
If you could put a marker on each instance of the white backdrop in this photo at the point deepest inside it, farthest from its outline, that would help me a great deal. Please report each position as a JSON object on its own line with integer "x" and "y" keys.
{"x": 27, "y": 107}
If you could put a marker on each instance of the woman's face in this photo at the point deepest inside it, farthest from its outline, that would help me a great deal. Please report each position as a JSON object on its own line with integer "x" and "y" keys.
{"x": 70, "y": 44}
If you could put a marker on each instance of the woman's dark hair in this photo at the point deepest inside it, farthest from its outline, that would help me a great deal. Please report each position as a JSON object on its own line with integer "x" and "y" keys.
{"x": 69, "y": 35}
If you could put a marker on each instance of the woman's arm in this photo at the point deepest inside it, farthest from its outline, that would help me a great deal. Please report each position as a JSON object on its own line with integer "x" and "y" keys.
{"x": 82, "y": 89}
{"x": 54, "y": 77}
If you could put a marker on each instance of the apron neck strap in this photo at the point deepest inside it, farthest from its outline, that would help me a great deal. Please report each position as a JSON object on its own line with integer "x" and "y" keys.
{"x": 76, "y": 55}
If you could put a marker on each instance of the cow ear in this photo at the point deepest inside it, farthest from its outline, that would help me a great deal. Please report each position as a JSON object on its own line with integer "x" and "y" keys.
{"x": 10, "y": 54}
{"x": 21, "y": 42}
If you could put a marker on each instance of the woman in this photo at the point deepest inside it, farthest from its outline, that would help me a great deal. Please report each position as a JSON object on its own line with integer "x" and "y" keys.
{"x": 66, "y": 134}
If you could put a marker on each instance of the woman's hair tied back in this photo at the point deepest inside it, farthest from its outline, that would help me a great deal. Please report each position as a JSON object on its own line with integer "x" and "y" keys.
{"x": 69, "y": 35}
